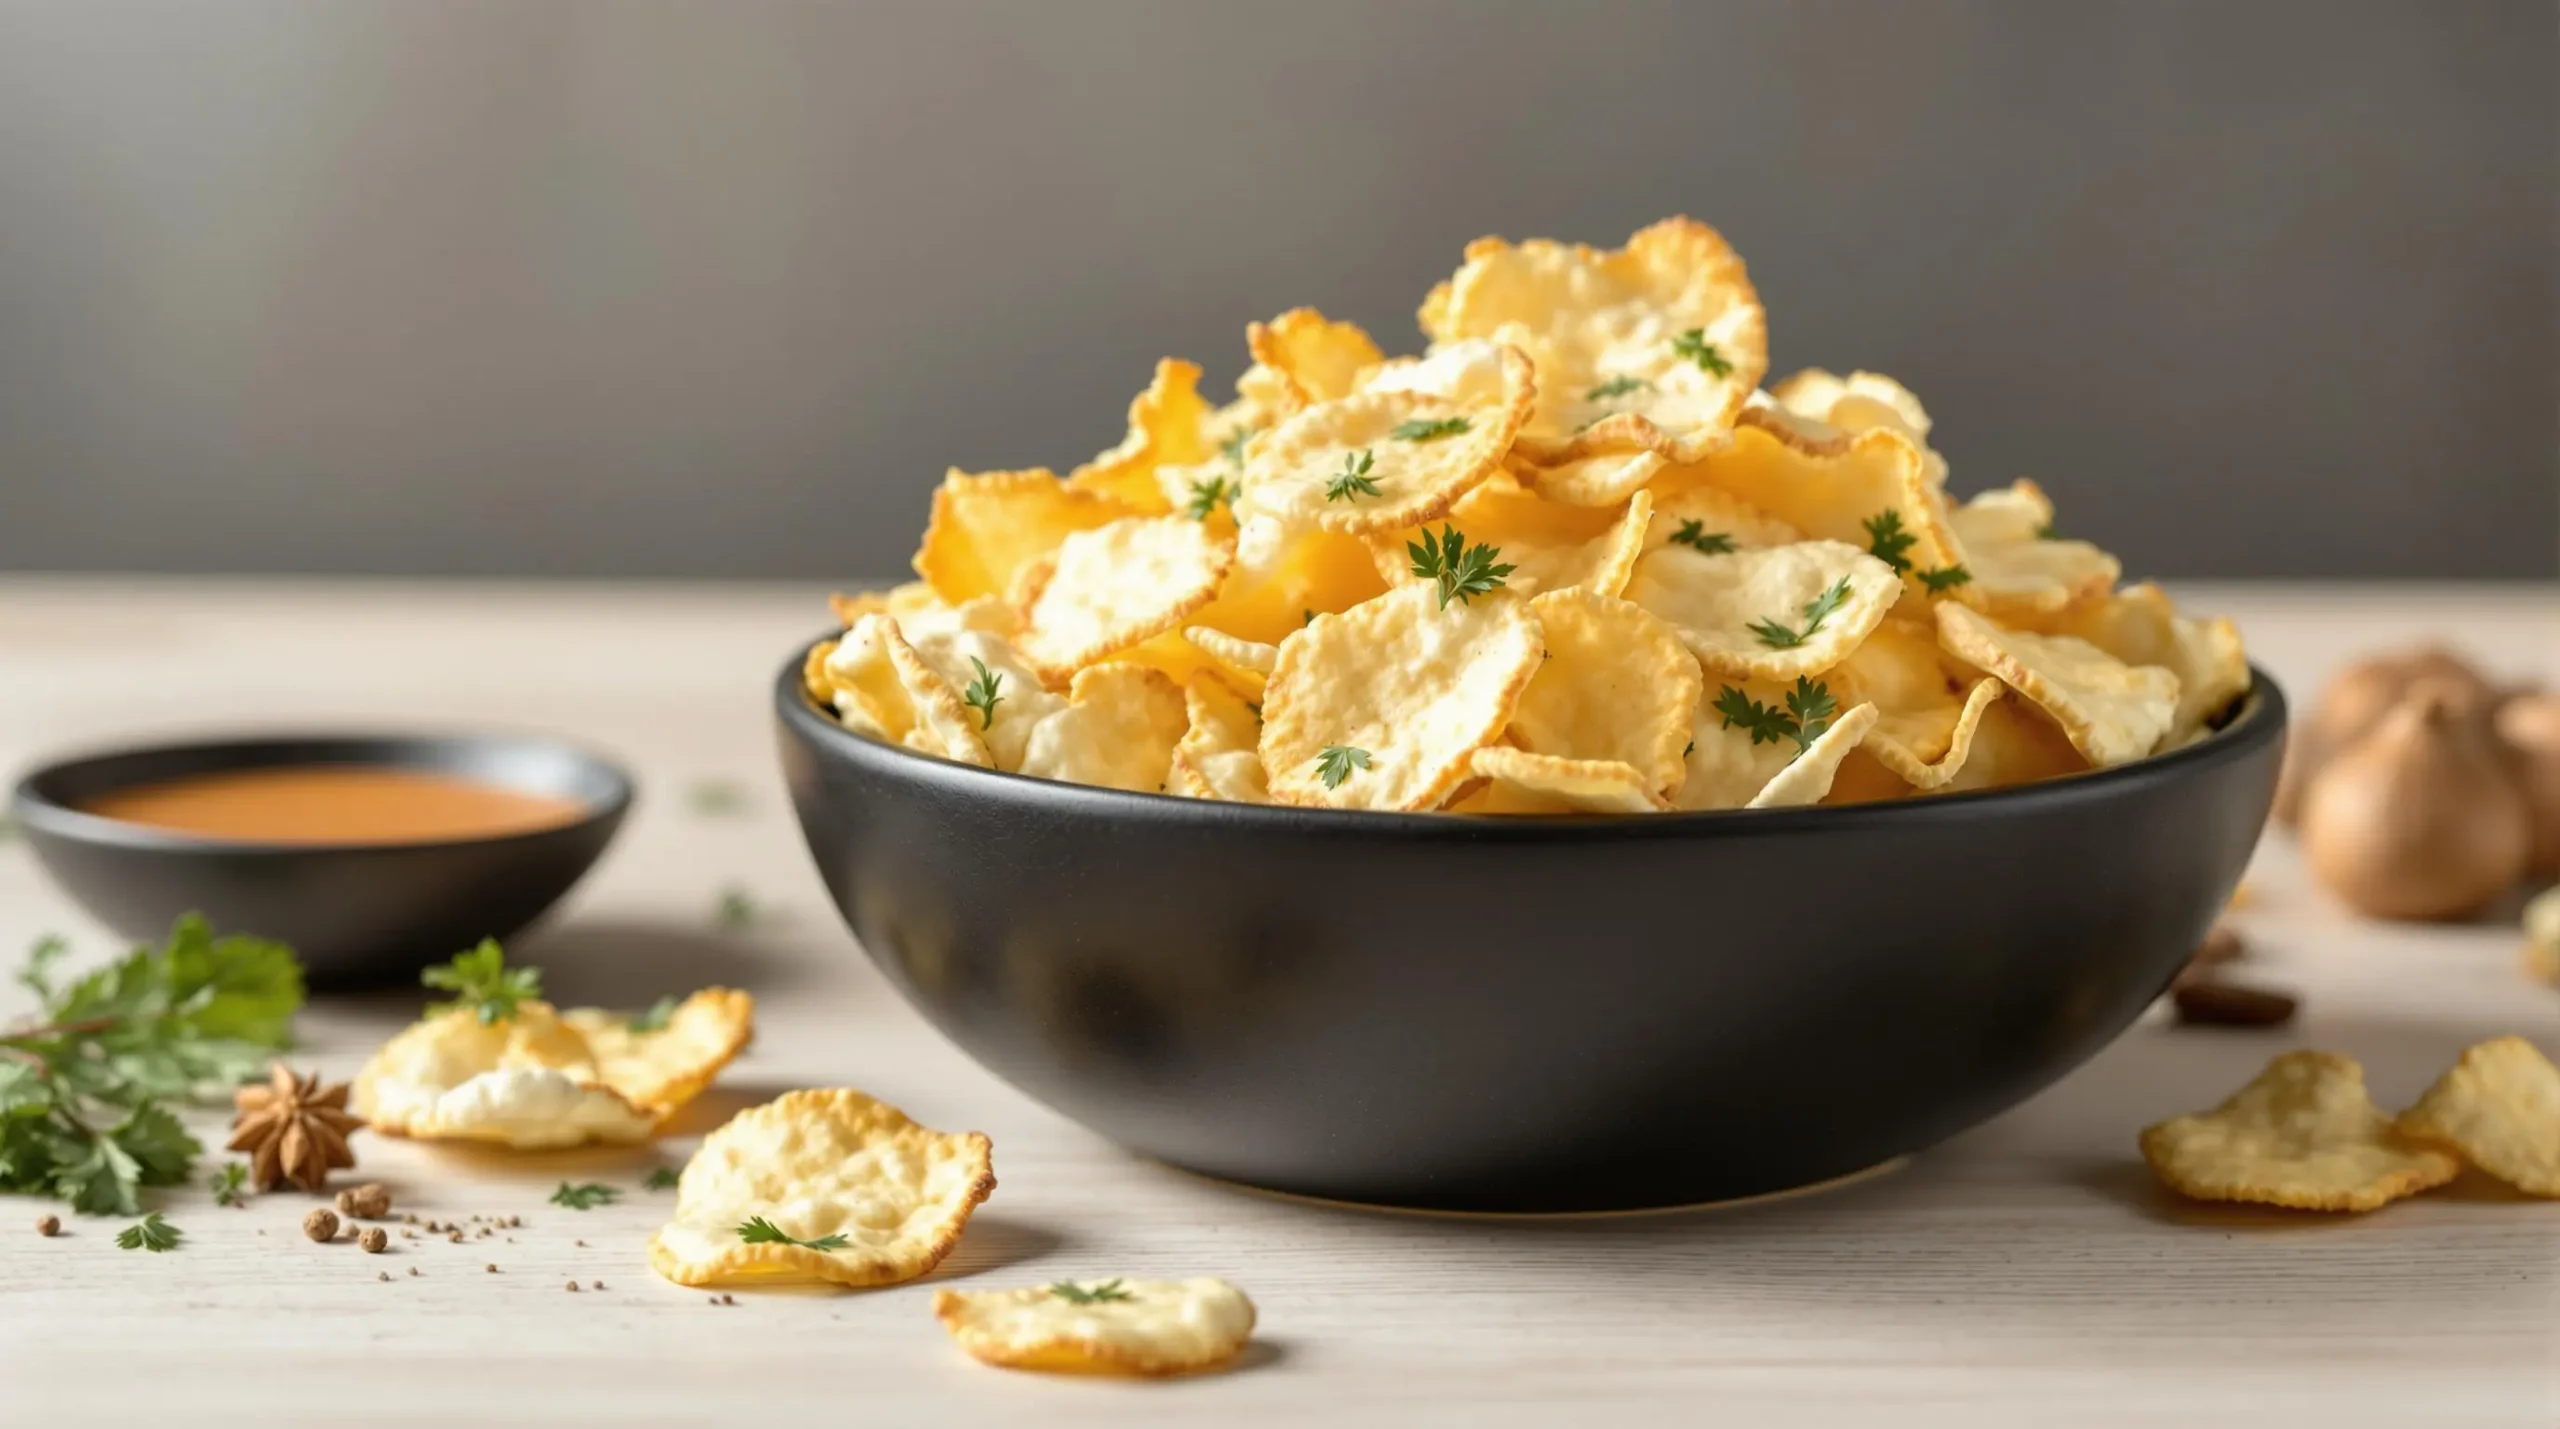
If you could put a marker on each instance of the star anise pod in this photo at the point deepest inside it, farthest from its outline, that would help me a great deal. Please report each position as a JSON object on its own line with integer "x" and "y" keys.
{"x": 294, "y": 1129}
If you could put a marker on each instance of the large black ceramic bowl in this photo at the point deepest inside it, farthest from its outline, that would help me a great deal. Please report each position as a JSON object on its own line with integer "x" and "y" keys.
{"x": 1527, "y": 1015}
{"x": 353, "y": 912}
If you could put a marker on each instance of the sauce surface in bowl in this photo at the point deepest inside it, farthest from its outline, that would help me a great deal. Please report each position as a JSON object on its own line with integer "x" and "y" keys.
{"x": 335, "y": 804}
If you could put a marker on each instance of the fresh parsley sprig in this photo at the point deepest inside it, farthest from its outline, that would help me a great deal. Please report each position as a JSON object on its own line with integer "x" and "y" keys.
{"x": 736, "y": 911}
{"x": 1353, "y": 480}
{"x": 1816, "y": 611}
{"x": 1207, "y": 494}
{"x": 1461, "y": 572}
{"x": 481, "y": 981}
{"x": 81, "y": 1086}
{"x": 1945, "y": 578}
{"x": 150, "y": 1233}
{"x": 1337, "y": 761}
{"x": 1100, "y": 1292}
{"x": 230, "y": 1184}
{"x": 653, "y": 1018}
{"x": 662, "y": 1179}
{"x": 1888, "y": 541}
{"x": 984, "y": 693}
{"x": 2045, "y": 532}
{"x": 1809, "y": 711}
{"x": 1696, "y": 536}
{"x": 1615, "y": 388}
{"x": 1426, "y": 429}
{"x": 1693, "y": 346}
{"x": 756, "y": 1230}
{"x": 585, "y": 1196}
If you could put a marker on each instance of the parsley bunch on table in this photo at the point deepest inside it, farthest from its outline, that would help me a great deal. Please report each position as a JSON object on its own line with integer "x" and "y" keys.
{"x": 84, "y": 1087}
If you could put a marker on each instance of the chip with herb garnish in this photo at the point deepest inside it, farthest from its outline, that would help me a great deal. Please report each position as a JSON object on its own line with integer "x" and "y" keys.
{"x": 1768, "y": 613}
{"x": 984, "y": 693}
{"x": 1456, "y": 570}
{"x": 1353, "y": 481}
{"x": 1207, "y": 495}
{"x": 1337, "y": 763}
{"x": 1124, "y": 1327}
{"x": 1696, "y": 536}
{"x": 1944, "y": 579}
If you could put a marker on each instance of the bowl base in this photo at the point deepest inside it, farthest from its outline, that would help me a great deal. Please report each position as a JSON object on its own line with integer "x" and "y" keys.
{"x": 1810, "y": 1189}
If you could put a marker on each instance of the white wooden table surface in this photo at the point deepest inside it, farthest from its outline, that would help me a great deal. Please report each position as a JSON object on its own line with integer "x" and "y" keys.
{"x": 2027, "y": 1272}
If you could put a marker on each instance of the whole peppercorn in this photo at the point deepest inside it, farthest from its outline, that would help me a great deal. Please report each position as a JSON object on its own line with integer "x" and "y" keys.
{"x": 370, "y": 1201}
{"x": 48, "y": 1225}
{"x": 321, "y": 1224}
{"x": 374, "y": 1239}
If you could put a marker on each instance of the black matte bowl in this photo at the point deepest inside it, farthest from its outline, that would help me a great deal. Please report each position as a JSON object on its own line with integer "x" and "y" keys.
{"x": 353, "y": 912}
{"x": 1527, "y": 1014}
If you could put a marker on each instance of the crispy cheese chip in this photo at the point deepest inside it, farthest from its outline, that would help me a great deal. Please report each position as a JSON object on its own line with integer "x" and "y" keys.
{"x": 864, "y": 1195}
{"x": 1247, "y": 664}
{"x": 1551, "y": 547}
{"x": 976, "y": 663}
{"x": 1411, "y": 687}
{"x": 2111, "y": 711}
{"x": 1380, "y": 460}
{"x": 1281, "y": 579}
{"x": 2139, "y": 626}
{"x": 1316, "y": 358}
{"x": 2499, "y": 1108}
{"x": 986, "y": 528}
{"x": 1708, "y": 519}
{"x": 1768, "y": 614}
{"x": 1654, "y": 346}
{"x": 1520, "y": 782}
{"x": 660, "y": 1070}
{"x": 1107, "y": 589}
{"x": 1869, "y": 489}
{"x": 2020, "y": 570}
{"x": 1739, "y": 764}
{"x": 1219, "y": 756}
{"x": 1169, "y": 426}
{"x": 1858, "y": 402}
{"x": 527, "y": 1081}
{"x": 1128, "y": 1327}
{"x": 1617, "y": 686}
{"x": 1926, "y": 712}
{"x": 1118, "y": 730}
{"x": 2012, "y": 744}
{"x": 2303, "y": 1135}
{"x": 944, "y": 724}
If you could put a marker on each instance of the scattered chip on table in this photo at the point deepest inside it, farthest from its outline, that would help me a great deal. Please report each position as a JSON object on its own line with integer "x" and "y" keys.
{"x": 2303, "y": 1135}
{"x": 1107, "y": 1327}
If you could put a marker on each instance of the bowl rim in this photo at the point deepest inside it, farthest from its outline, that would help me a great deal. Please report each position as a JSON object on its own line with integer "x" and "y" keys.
{"x": 40, "y": 813}
{"x": 2259, "y": 718}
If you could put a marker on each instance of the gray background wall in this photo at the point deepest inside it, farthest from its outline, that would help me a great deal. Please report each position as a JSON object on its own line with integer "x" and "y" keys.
{"x": 656, "y": 287}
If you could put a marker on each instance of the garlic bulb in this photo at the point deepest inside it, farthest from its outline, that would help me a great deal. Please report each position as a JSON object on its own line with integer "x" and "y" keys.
{"x": 2529, "y": 725}
{"x": 2353, "y": 701}
{"x": 2420, "y": 818}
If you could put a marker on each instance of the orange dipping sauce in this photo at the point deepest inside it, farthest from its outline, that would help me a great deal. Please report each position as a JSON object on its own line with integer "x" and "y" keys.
{"x": 336, "y": 804}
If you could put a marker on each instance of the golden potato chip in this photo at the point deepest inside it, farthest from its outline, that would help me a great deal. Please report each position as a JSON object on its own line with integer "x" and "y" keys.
{"x": 1219, "y": 756}
{"x": 1169, "y": 426}
{"x": 1282, "y": 579}
{"x": 2139, "y": 626}
{"x": 1377, "y": 461}
{"x": 2020, "y": 570}
{"x": 1768, "y": 614}
{"x": 1247, "y": 664}
{"x": 1858, "y": 402}
{"x": 901, "y": 600}
{"x": 1001, "y": 694}
{"x": 986, "y": 528}
{"x": 1112, "y": 587}
{"x": 949, "y": 727}
{"x": 1520, "y": 782}
{"x": 528, "y": 1080}
{"x": 1762, "y": 745}
{"x": 2303, "y": 1135}
{"x": 1380, "y": 707}
{"x": 1115, "y": 1326}
{"x": 662, "y": 1068}
{"x": 1926, "y": 713}
{"x": 821, "y": 1187}
{"x": 1549, "y": 546}
{"x": 1318, "y": 360}
{"x": 2111, "y": 711}
{"x": 1862, "y": 779}
{"x": 2013, "y": 744}
{"x": 2499, "y": 1108}
{"x": 1652, "y": 347}
{"x": 1710, "y": 520}
{"x": 1606, "y": 479}
{"x": 1617, "y": 686}
{"x": 1472, "y": 373}
{"x": 1869, "y": 489}
{"x": 1118, "y": 730}
{"x": 884, "y": 689}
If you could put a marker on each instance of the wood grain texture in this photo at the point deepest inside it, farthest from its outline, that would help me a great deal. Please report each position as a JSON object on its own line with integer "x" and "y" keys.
{"x": 2027, "y": 1272}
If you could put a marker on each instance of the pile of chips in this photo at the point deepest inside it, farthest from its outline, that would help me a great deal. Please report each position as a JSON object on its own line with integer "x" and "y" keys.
{"x": 1571, "y": 559}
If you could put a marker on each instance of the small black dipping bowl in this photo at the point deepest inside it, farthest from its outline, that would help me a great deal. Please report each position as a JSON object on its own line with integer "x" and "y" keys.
{"x": 353, "y": 912}
{"x": 1528, "y": 1014}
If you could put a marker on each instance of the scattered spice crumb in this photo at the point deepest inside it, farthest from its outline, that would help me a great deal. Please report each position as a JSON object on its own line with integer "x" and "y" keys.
{"x": 573, "y": 1287}
{"x": 411, "y": 1217}
{"x": 413, "y": 1270}
{"x": 408, "y": 1234}
{"x": 581, "y": 1242}
{"x": 382, "y": 1275}
{"x": 374, "y": 1240}
{"x": 321, "y": 1224}
{"x": 48, "y": 1225}
{"x": 595, "y": 1285}
{"x": 370, "y": 1201}
{"x": 454, "y": 1237}
{"x": 491, "y": 1267}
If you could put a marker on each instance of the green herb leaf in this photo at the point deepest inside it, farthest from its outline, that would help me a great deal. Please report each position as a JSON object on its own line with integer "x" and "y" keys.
{"x": 1306, "y": 618}
{"x": 1353, "y": 480}
{"x": 1233, "y": 446}
{"x": 1336, "y": 763}
{"x": 983, "y": 693}
{"x": 230, "y": 1184}
{"x": 1888, "y": 541}
{"x": 2046, "y": 532}
{"x": 1460, "y": 572}
{"x": 662, "y": 1179}
{"x": 653, "y": 1018}
{"x": 1616, "y": 387}
{"x": 1100, "y": 1292}
{"x": 1694, "y": 347}
{"x": 1688, "y": 749}
{"x": 481, "y": 980}
{"x": 716, "y": 798}
{"x": 1423, "y": 429}
{"x": 1816, "y": 611}
{"x": 585, "y": 1197}
{"x": 1764, "y": 724}
{"x": 1945, "y": 578}
{"x": 1206, "y": 496}
{"x": 1810, "y": 709}
{"x": 150, "y": 1233}
{"x": 736, "y": 910}
{"x": 1696, "y": 536}
{"x": 756, "y": 1230}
